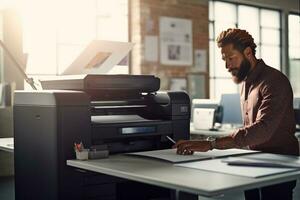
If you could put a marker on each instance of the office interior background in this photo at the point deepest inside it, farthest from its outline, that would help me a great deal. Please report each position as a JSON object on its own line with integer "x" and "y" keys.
{"x": 47, "y": 35}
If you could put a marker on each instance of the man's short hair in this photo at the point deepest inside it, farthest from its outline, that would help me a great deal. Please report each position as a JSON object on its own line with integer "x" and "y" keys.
{"x": 240, "y": 39}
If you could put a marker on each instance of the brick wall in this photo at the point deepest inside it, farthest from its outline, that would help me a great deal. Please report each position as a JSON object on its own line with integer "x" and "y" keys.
{"x": 145, "y": 13}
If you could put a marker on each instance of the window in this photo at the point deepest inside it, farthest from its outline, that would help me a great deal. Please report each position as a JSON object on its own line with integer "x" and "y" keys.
{"x": 294, "y": 52}
{"x": 1, "y": 51}
{"x": 266, "y": 36}
{"x": 55, "y": 32}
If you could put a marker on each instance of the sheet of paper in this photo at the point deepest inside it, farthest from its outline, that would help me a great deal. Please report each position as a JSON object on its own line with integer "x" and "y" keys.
{"x": 99, "y": 57}
{"x": 204, "y": 118}
{"x": 171, "y": 156}
{"x": 200, "y": 60}
{"x": 151, "y": 48}
{"x": 240, "y": 161}
{"x": 176, "y": 41}
{"x": 216, "y": 165}
{"x": 268, "y": 159}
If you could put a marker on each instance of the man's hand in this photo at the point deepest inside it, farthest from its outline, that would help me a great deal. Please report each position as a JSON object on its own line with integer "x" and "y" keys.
{"x": 188, "y": 147}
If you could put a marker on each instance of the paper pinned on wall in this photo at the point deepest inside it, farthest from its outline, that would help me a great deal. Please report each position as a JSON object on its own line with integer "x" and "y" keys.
{"x": 178, "y": 84}
{"x": 99, "y": 57}
{"x": 200, "y": 60}
{"x": 176, "y": 41}
{"x": 151, "y": 48}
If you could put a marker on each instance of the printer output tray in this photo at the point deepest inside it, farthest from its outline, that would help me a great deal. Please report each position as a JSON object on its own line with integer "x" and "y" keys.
{"x": 122, "y": 126}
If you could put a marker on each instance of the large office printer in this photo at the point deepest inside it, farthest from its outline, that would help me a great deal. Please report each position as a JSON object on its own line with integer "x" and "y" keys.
{"x": 121, "y": 113}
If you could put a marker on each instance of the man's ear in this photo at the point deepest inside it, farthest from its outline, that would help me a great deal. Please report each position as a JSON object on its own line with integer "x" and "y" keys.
{"x": 248, "y": 52}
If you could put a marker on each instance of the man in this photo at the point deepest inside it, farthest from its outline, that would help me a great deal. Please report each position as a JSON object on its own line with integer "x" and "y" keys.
{"x": 267, "y": 109}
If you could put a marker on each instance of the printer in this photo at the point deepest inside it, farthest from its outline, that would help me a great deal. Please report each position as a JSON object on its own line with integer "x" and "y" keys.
{"x": 119, "y": 113}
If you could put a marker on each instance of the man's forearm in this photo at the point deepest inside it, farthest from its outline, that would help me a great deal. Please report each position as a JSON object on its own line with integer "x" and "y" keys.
{"x": 226, "y": 142}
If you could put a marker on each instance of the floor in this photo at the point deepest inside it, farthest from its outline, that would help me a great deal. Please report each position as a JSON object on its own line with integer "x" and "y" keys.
{"x": 7, "y": 191}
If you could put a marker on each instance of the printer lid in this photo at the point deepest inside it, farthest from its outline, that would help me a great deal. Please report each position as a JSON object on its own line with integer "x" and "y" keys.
{"x": 104, "y": 85}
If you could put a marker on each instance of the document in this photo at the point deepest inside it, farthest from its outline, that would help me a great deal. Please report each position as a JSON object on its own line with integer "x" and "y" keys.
{"x": 170, "y": 155}
{"x": 99, "y": 57}
{"x": 238, "y": 161}
{"x": 265, "y": 160}
{"x": 216, "y": 165}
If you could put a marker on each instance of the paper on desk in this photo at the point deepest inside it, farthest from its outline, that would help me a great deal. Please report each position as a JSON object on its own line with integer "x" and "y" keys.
{"x": 99, "y": 57}
{"x": 216, "y": 165}
{"x": 171, "y": 156}
{"x": 265, "y": 159}
{"x": 239, "y": 161}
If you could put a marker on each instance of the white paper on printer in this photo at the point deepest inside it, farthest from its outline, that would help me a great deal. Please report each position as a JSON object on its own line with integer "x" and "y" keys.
{"x": 204, "y": 118}
{"x": 99, "y": 57}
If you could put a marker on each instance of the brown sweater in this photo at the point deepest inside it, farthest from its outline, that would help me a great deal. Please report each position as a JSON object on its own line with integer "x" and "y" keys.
{"x": 268, "y": 115}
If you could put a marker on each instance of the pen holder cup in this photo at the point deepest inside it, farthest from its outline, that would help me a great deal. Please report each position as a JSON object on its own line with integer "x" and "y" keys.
{"x": 82, "y": 155}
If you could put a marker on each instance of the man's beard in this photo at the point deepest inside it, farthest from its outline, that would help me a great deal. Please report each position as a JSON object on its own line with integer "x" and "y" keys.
{"x": 238, "y": 75}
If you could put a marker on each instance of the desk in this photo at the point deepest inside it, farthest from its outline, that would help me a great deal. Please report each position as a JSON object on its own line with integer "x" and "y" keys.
{"x": 7, "y": 144}
{"x": 164, "y": 174}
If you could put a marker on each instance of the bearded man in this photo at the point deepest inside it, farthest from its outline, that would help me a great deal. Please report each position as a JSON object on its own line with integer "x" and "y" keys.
{"x": 267, "y": 110}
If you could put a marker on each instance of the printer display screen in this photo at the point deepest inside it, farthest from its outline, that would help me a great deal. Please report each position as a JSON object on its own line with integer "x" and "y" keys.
{"x": 143, "y": 129}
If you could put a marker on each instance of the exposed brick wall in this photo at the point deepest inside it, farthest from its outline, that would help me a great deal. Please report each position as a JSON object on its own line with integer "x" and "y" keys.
{"x": 149, "y": 11}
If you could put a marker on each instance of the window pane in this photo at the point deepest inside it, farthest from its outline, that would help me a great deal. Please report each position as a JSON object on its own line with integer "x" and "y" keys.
{"x": 225, "y": 12}
{"x": 294, "y": 23}
{"x": 78, "y": 26}
{"x": 270, "y": 36}
{"x": 220, "y": 26}
{"x": 211, "y": 11}
{"x": 258, "y": 51}
{"x": 105, "y": 30}
{"x": 294, "y": 52}
{"x": 271, "y": 55}
{"x": 223, "y": 86}
{"x": 111, "y": 8}
{"x": 220, "y": 69}
{"x": 52, "y": 30}
{"x": 252, "y": 26}
{"x": 211, "y": 58}
{"x": 66, "y": 55}
{"x": 294, "y": 76}
{"x": 270, "y": 18}
{"x": 294, "y": 31}
{"x": 211, "y": 31}
{"x": 294, "y": 39}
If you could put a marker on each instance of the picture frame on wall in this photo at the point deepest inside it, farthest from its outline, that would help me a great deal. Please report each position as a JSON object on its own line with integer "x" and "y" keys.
{"x": 197, "y": 86}
{"x": 178, "y": 84}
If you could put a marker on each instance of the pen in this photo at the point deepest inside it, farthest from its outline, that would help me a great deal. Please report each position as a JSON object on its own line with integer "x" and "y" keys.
{"x": 171, "y": 140}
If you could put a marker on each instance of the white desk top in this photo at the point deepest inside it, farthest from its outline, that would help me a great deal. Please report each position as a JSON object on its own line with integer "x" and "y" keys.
{"x": 7, "y": 144}
{"x": 167, "y": 175}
